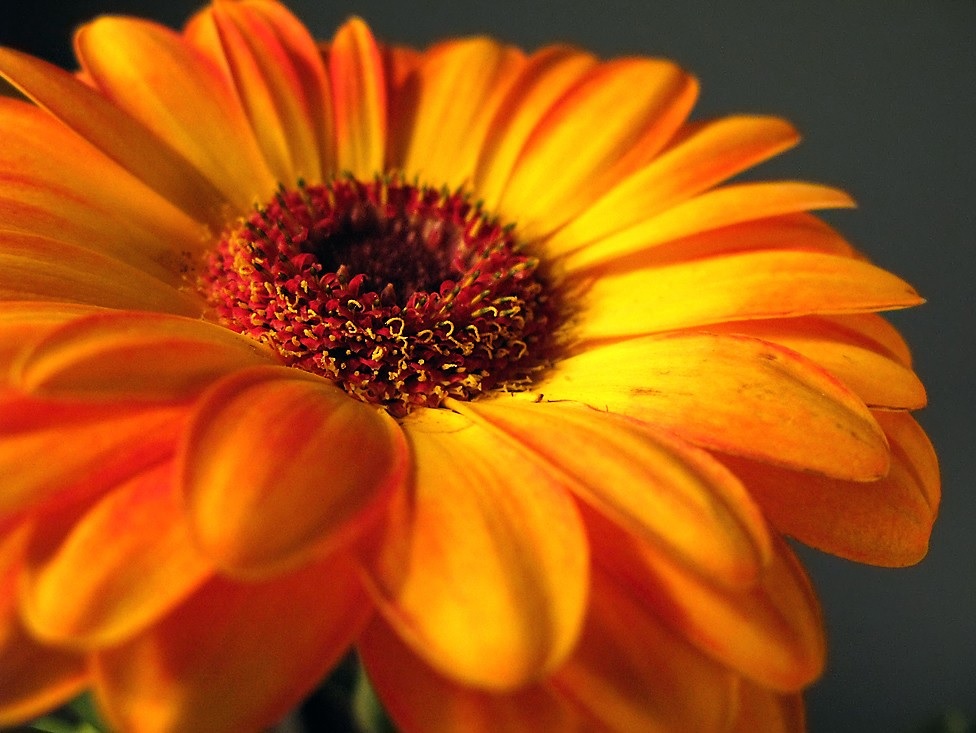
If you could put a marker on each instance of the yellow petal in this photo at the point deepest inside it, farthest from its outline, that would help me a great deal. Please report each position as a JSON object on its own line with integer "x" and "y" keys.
{"x": 615, "y": 119}
{"x": 124, "y": 563}
{"x": 234, "y": 657}
{"x": 117, "y": 134}
{"x": 359, "y": 99}
{"x": 407, "y": 687}
{"x": 460, "y": 84}
{"x": 158, "y": 78}
{"x": 731, "y": 394}
{"x": 496, "y": 574}
{"x": 886, "y": 522}
{"x": 55, "y": 184}
{"x": 719, "y": 208}
{"x": 52, "y": 449}
{"x": 736, "y": 287}
{"x": 280, "y": 466}
{"x": 135, "y": 355}
{"x": 38, "y": 268}
{"x": 33, "y": 678}
{"x": 276, "y": 70}
{"x": 646, "y": 480}
{"x": 707, "y": 154}
{"x": 865, "y": 366}
{"x": 632, "y": 673}
{"x": 772, "y": 633}
{"x": 543, "y": 79}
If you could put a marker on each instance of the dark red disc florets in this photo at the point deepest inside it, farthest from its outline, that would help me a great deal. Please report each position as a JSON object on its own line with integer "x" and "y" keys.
{"x": 403, "y": 295}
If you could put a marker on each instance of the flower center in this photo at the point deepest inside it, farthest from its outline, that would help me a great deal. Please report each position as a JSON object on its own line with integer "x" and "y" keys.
{"x": 403, "y": 295}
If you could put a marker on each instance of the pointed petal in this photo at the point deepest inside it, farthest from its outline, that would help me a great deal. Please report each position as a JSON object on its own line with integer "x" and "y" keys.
{"x": 33, "y": 678}
{"x": 51, "y": 449}
{"x": 731, "y": 394}
{"x": 38, "y": 268}
{"x": 280, "y": 466}
{"x": 636, "y": 104}
{"x": 116, "y": 133}
{"x": 124, "y": 563}
{"x": 55, "y": 184}
{"x": 497, "y": 566}
{"x": 859, "y": 362}
{"x": 278, "y": 75}
{"x": 407, "y": 687}
{"x": 359, "y": 99}
{"x": 715, "y": 209}
{"x": 886, "y": 522}
{"x": 736, "y": 287}
{"x": 766, "y": 711}
{"x": 772, "y": 633}
{"x": 234, "y": 657}
{"x": 136, "y": 355}
{"x": 157, "y": 77}
{"x": 646, "y": 480}
{"x": 460, "y": 84}
{"x": 545, "y": 77}
{"x": 633, "y": 674}
{"x": 707, "y": 154}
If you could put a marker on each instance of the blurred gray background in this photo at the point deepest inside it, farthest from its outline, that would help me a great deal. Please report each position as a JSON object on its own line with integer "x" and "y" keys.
{"x": 885, "y": 93}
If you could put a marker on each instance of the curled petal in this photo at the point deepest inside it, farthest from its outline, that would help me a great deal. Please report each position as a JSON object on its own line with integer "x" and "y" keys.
{"x": 646, "y": 480}
{"x": 124, "y": 563}
{"x": 234, "y": 656}
{"x": 126, "y": 355}
{"x": 731, "y": 394}
{"x": 22, "y": 323}
{"x": 737, "y": 287}
{"x": 459, "y": 86}
{"x": 886, "y": 522}
{"x": 33, "y": 678}
{"x": 496, "y": 566}
{"x": 772, "y": 633}
{"x": 280, "y": 466}
{"x": 408, "y": 688}
{"x": 632, "y": 673}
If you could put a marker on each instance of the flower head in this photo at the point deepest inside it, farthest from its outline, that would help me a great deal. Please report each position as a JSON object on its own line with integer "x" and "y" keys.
{"x": 466, "y": 358}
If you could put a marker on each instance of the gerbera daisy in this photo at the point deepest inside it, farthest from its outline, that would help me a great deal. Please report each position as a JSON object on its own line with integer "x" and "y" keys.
{"x": 462, "y": 358}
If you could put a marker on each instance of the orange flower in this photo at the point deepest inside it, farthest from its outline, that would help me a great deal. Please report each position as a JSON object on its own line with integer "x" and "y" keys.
{"x": 494, "y": 384}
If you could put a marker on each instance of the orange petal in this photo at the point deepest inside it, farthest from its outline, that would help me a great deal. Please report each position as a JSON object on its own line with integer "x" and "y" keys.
{"x": 772, "y": 633}
{"x": 124, "y": 563}
{"x": 136, "y": 355}
{"x": 51, "y": 449}
{"x": 719, "y": 208}
{"x": 543, "y": 79}
{"x": 631, "y": 673}
{"x": 235, "y": 656}
{"x": 116, "y": 133}
{"x": 277, "y": 73}
{"x": 636, "y": 105}
{"x": 157, "y": 77}
{"x": 359, "y": 99}
{"x": 22, "y": 323}
{"x": 33, "y": 678}
{"x": 280, "y": 466}
{"x": 736, "y": 287}
{"x": 707, "y": 154}
{"x": 38, "y": 268}
{"x": 497, "y": 565}
{"x": 767, "y": 711}
{"x": 55, "y": 184}
{"x": 861, "y": 363}
{"x": 460, "y": 84}
{"x": 646, "y": 480}
{"x": 420, "y": 700}
{"x": 887, "y": 522}
{"x": 732, "y": 394}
